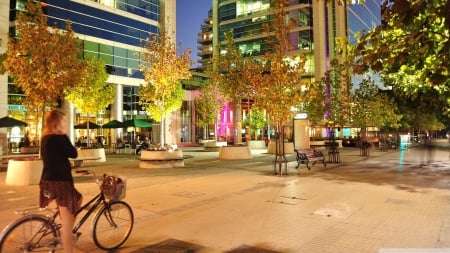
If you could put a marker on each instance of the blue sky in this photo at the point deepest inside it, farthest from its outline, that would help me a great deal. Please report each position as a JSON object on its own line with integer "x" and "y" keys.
{"x": 190, "y": 16}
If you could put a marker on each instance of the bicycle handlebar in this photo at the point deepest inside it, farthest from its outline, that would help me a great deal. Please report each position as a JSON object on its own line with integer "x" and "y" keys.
{"x": 85, "y": 172}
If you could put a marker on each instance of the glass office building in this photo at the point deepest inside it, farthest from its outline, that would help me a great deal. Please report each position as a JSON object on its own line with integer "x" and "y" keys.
{"x": 111, "y": 30}
{"x": 319, "y": 28}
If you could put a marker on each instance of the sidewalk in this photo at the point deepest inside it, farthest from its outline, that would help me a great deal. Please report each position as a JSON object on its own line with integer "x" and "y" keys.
{"x": 386, "y": 200}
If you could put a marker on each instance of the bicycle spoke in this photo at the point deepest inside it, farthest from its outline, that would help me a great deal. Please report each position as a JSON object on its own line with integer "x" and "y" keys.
{"x": 29, "y": 234}
{"x": 113, "y": 226}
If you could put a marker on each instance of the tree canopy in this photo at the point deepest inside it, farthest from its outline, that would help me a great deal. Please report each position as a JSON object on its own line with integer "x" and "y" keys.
{"x": 163, "y": 70}
{"x": 410, "y": 49}
{"x": 43, "y": 61}
{"x": 277, "y": 83}
{"x": 93, "y": 93}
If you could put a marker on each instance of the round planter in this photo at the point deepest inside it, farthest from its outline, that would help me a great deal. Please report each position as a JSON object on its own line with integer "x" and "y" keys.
{"x": 257, "y": 144}
{"x": 235, "y": 152}
{"x": 29, "y": 150}
{"x": 92, "y": 152}
{"x": 24, "y": 172}
{"x": 161, "y": 159}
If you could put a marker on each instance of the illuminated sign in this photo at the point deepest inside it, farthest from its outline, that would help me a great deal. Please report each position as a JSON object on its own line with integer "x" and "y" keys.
{"x": 302, "y": 115}
{"x": 16, "y": 108}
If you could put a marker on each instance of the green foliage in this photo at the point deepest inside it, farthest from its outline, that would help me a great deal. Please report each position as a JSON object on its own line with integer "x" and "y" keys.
{"x": 173, "y": 103}
{"x": 255, "y": 120}
{"x": 370, "y": 108}
{"x": 163, "y": 70}
{"x": 231, "y": 79}
{"x": 231, "y": 64}
{"x": 276, "y": 77}
{"x": 43, "y": 62}
{"x": 421, "y": 113}
{"x": 411, "y": 49}
{"x": 208, "y": 105}
{"x": 329, "y": 99}
{"x": 92, "y": 94}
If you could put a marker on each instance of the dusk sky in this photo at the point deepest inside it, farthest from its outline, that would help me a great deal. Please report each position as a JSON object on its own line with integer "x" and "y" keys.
{"x": 190, "y": 16}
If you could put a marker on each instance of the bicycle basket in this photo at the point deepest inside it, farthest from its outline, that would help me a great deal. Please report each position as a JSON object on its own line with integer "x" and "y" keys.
{"x": 114, "y": 188}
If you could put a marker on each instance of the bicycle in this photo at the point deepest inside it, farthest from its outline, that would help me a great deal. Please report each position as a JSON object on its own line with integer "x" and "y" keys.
{"x": 111, "y": 226}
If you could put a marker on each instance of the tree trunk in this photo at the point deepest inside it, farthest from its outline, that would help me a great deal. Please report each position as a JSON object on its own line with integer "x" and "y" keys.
{"x": 163, "y": 127}
{"x": 237, "y": 123}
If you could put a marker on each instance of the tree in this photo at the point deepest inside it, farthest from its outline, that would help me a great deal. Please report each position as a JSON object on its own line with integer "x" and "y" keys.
{"x": 411, "y": 49}
{"x": 277, "y": 83}
{"x": 330, "y": 98}
{"x": 371, "y": 108}
{"x": 256, "y": 119}
{"x": 92, "y": 93}
{"x": 42, "y": 61}
{"x": 209, "y": 103}
{"x": 233, "y": 83}
{"x": 419, "y": 114}
{"x": 163, "y": 70}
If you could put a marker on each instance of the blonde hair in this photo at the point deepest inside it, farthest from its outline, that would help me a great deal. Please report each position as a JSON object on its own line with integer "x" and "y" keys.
{"x": 52, "y": 120}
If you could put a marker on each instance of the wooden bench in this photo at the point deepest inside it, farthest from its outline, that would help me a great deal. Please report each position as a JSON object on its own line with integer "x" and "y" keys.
{"x": 78, "y": 162}
{"x": 307, "y": 156}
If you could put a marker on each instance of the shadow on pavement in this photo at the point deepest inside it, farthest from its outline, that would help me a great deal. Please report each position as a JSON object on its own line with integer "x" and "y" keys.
{"x": 170, "y": 246}
{"x": 251, "y": 249}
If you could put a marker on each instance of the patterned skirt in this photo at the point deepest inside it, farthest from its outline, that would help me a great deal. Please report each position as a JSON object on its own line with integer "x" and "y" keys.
{"x": 63, "y": 192}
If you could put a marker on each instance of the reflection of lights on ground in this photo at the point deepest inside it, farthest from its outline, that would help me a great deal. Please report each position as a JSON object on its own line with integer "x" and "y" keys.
{"x": 401, "y": 159}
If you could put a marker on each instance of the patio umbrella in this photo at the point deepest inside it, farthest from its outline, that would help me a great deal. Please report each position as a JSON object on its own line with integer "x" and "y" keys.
{"x": 113, "y": 124}
{"x": 137, "y": 123}
{"x": 84, "y": 125}
{"x": 11, "y": 122}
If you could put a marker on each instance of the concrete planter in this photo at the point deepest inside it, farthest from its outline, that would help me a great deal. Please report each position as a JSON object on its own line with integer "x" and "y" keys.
{"x": 257, "y": 144}
{"x": 161, "y": 159}
{"x": 235, "y": 152}
{"x": 213, "y": 146}
{"x": 24, "y": 172}
{"x": 29, "y": 150}
{"x": 92, "y": 152}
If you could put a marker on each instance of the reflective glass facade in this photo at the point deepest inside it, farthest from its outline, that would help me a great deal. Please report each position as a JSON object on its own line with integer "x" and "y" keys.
{"x": 110, "y": 30}
{"x": 108, "y": 25}
{"x": 246, "y": 18}
{"x": 362, "y": 17}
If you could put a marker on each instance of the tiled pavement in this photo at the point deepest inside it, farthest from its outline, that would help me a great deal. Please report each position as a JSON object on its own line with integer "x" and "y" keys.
{"x": 363, "y": 204}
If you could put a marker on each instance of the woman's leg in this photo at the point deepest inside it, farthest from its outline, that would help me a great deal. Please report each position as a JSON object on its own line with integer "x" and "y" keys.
{"x": 68, "y": 220}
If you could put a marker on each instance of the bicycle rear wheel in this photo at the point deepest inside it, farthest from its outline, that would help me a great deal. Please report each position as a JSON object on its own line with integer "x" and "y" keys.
{"x": 112, "y": 225}
{"x": 31, "y": 233}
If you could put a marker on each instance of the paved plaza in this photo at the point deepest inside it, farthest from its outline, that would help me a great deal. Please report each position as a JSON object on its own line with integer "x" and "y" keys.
{"x": 394, "y": 199}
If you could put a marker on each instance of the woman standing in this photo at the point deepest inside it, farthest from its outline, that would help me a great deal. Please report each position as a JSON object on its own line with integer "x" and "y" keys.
{"x": 56, "y": 149}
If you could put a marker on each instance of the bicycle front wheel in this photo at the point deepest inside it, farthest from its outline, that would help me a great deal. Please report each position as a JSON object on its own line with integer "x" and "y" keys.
{"x": 31, "y": 233}
{"x": 112, "y": 225}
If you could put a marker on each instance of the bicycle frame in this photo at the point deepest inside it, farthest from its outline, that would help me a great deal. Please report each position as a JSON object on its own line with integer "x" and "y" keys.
{"x": 47, "y": 234}
{"x": 96, "y": 201}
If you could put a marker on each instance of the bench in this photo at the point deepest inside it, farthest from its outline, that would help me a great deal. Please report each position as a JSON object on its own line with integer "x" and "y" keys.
{"x": 307, "y": 156}
{"x": 78, "y": 162}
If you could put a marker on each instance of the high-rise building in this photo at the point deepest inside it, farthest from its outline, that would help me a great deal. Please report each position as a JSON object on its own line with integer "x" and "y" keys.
{"x": 111, "y": 31}
{"x": 205, "y": 42}
{"x": 320, "y": 26}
